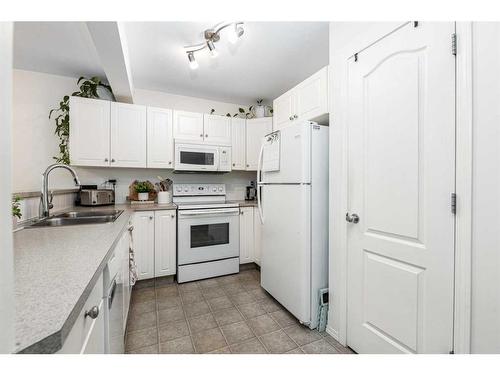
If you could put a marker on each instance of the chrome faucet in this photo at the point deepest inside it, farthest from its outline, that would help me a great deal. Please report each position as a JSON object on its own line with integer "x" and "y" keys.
{"x": 46, "y": 201}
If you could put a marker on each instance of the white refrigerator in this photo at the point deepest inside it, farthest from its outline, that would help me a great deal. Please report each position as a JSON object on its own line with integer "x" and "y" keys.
{"x": 292, "y": 194}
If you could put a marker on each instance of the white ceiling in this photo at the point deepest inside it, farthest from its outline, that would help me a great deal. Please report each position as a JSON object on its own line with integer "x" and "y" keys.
{"x": 269, "y": 59}
{"x": 63, "y": 48}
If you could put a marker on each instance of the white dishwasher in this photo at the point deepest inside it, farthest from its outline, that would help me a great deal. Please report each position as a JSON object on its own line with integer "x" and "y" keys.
{"x": 113, "y": 302}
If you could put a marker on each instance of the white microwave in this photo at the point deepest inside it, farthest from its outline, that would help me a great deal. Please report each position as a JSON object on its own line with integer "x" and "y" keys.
{"x": 202, "y": 158}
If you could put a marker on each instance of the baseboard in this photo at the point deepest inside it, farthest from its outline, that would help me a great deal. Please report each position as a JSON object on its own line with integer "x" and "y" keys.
{"x": 334, "y": 334}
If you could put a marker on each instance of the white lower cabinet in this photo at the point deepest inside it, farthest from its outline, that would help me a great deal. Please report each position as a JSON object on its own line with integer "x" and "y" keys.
{"x": 87, "y": 334}
{"x": 124, "y": 248}
{"x": 257, "y": 228}
{"x": 155, "y": 234}
{"x": 246, "y": 235}
{"x": 165, "y": 243}
{"x": 144, "y": 245}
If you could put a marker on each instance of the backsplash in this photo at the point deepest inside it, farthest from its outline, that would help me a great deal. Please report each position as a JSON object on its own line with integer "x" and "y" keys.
{"x": 30, "y": 206}
{"x": 235, "y": 181}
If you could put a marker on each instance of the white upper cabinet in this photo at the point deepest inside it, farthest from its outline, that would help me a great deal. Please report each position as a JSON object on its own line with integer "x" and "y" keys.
{"x": 160, "y": 139}
{"x": 238, "y": 146}
{"x": 283, "y": 110}
{"x": 89, "y": 131}
{"x": 312, "y": 96}
{"x": 188, "y": 126}
{"x": 306, "y": 101}
{"x": 256, "y": 129}
{"x": 165, "y": 243}
{"x": 217, "y": 129}
{"x": 128, "y": 135}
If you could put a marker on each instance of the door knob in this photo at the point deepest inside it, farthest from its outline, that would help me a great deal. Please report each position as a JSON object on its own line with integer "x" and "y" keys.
{"x": 93, "y": 312}
{"x": 354, "y": 218}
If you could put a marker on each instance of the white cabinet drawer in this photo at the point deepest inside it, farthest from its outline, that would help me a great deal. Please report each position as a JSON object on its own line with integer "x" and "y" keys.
{"x": 86, "y": 330}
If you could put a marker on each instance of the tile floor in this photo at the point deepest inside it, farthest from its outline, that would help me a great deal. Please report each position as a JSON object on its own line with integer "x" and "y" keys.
{"x": 228, "y": 314}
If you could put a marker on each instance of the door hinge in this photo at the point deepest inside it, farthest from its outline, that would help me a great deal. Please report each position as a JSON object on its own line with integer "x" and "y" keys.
{"x": 454, "y": 44}
{"x": 453, "y": 203}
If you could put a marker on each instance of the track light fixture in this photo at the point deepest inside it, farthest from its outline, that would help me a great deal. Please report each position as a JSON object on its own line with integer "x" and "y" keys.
{"x": 211, "y": 37}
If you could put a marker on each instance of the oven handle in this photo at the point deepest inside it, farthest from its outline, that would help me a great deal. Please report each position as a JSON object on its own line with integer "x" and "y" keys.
{"x": 209, "y": 212}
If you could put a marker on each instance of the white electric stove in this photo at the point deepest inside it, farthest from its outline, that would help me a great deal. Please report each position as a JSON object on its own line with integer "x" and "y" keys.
{"x": 208, "y": 235}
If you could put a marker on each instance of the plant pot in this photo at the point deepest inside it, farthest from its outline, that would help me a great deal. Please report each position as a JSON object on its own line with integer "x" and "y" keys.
{"x": 164, "y": 197}
{"x": 259, "y": 111}
{"x": 143, "y": 196}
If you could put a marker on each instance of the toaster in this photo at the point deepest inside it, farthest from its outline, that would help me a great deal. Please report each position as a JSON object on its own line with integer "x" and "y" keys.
{"x": 96, "y": 197}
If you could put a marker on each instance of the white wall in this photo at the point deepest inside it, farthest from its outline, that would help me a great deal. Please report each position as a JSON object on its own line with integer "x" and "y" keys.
{"x": 485, "y": 328}
{"x": 35, "y": 143}
{"x": 346, "y": 38}
{"x": 6, "y": 261}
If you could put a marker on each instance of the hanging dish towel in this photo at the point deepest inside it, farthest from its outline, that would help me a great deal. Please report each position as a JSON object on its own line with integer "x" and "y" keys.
{"x": 132, "y": 264}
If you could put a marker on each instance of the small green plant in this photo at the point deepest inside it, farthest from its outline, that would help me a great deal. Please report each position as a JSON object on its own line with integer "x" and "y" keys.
{"x": 241, "y": 113}
{"x": 16, "y": 207}
{"x": 143, "y": 187}
{"x": 88, "y": 89}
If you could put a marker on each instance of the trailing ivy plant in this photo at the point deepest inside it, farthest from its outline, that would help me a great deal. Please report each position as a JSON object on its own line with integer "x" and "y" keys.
{"x": 87, "y": 89}
{"x": 16, "y": 207}
{"x": 243, "y": 113}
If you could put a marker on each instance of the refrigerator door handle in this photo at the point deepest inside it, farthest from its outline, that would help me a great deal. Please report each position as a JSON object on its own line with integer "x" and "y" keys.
{"x": 259, "y": 164}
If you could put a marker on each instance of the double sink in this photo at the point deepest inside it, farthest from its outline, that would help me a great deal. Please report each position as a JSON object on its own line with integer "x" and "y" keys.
{"x": 79, "y": 217}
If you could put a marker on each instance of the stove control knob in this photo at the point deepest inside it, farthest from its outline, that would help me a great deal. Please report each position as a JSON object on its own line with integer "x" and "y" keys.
{"x": 179, "y": 188}
{"x": 214, "y": 189}
{"x": 220, "y": 189}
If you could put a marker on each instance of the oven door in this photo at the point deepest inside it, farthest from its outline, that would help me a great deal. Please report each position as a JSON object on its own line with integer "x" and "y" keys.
{"x": 208, "y": 234}
{"x": 192, "y": 157}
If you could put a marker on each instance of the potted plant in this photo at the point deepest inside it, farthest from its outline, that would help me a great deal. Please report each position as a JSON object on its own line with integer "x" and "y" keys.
{"x": 259, "y": 110}
{"x": 142, "y": 189}
{"x": 16, "y": 210}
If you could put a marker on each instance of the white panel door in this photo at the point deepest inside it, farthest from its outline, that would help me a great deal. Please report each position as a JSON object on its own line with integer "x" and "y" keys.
{"x": 312, "y": 96}
{"x": 217, "y": 129}
{"x": 89, "y": 132}
{"x": 238, "y": 146}
{"x": 165, "y": 243}
{"x": 188, "y": 126}
{"x": 246, "y": 235}
{"x": 284, "y": 109}
{"x": 401, "y": 174}
{"x": 256, "y": 130}
{"x": 160, "y": 145}
{"x": 128, "y": 135}
{"x": 144, "y": 244}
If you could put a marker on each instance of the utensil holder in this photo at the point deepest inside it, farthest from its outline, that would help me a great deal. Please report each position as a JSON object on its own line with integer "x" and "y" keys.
{"x": 164, "y": 197}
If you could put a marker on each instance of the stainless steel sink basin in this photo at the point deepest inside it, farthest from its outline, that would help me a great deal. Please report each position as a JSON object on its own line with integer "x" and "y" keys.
{"x": 78, "y": 218}
{"x": 77, "y": 214}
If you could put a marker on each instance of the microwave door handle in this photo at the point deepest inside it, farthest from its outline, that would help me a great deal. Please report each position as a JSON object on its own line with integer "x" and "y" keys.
{"x": 259, "y": 183}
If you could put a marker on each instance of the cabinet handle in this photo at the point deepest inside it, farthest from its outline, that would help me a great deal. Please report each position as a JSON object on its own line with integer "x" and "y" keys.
{"x": 106, "y": 160}
{"x": 291, "y": 118}
{"x": 201, "y": 135}
{"x": 112, "y": 160}
{"x": 169, "y": 162}
{"x": 234, "y": 164}
{"x": 248, "y": 165}
{"x": 206, "y": 135}
{"x": 172, "y": 216}
{"x": 131, "y": 228}
{"x": 295, "y": 116}
{"x": 151, "y": 218}
{"x": 93, "y": 312}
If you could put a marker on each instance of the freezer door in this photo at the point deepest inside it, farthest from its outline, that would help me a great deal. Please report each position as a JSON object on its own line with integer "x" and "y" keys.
{"x": 286, "y": 252}
{"x": 295, "y": 155}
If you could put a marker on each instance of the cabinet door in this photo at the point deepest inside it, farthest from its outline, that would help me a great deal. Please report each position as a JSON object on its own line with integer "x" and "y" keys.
{"x": 217, "y": 129}
{"x": 128, "y": 135}
{"x": 238, "y": 143}
{"x": 124, "y": 248}
{"x": 246, "y": 235}
{"x": 165, "y": 243}
{"x": 160, "y": 144}
{"x": 256, "y": 130}
{"x": 283, "y": 110}
{"x": 312, "y": 96}
{"x": 94, "y": 342}
{"x": 257, "y": 228}
{"x": 144, "y": 246}
{"x": 89, "y": 132}
{"x": 188, "y": 126}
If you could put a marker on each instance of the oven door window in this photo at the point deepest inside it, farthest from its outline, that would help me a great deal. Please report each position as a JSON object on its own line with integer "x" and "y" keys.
{"x": 209, "y": 235}
{"x": 197, "y": 158}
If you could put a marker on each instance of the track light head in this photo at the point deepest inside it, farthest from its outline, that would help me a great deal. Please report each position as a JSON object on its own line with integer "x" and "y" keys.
{"x": 211, "y": 48}
{"x": 193, "y": 64}
{"x": 235, "y": 34}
